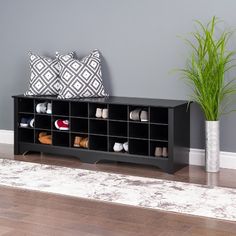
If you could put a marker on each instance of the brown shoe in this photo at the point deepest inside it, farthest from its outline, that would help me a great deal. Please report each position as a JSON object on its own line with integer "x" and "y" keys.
{"x": 84, "y": 143}
{"x": 44, "y": 138}
{"x": 77, "y": 141}
{"x": 41, "y": 134}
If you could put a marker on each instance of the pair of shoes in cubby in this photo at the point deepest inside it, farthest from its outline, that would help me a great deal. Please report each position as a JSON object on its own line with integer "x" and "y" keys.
{"x": 161, "y": 152}
{"x": 44, "y": 138}
{"x": 139, "y": 115}
{"x": 27, "y": 122}
{"x": 102, "y": 113}
{"x": 119, "y": 147}
{"x": 81, "y": 142}
{"x": 62, "y": 124}
{"x": 44, "y": 107}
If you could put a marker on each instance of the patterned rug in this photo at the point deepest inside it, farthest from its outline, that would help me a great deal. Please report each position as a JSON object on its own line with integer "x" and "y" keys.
{"x": 187, "y": 198}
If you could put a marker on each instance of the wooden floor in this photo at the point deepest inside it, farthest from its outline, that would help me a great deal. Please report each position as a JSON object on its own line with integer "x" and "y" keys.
{"x": 32, "y": 213}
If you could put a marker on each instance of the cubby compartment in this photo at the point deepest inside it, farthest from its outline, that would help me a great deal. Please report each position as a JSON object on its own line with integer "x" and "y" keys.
{"x": 113, "y": 140}
{"x": 93, "y": 108}
{"x": 41, "y": 132}
{"x": 26, "y": 135}
{"x": 79, "y": 125}
{"x": 43, "y": 122}
{"x": 98, "y": 127}
{"x": 79, "y": 109}
{"x": 118, "y": 128}
{"x": 24, "y": 120}
{"x": 60, "y": 108}
{"x": 138, "y": 130}
{"x": 154, "y": 144}
{"x": 138, "y": 147}
{"x": 118, "y": 112}
{"x": 74, "y": 135}
{"x": 55, "y": 118}
{"x": 140, "y": 108}
{"x": 26, "y": 105}
{"x": 98, "y": 143}
{"x": 159, "y": 132}
{"x": 60, "y": 139}
{"x": 159, "y": 115}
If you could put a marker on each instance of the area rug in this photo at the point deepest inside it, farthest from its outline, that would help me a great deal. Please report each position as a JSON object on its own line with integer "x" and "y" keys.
{"x": 187, "y": 198}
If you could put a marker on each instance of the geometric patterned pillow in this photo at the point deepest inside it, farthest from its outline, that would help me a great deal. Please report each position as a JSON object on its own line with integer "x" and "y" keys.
{"x": 81, "y": 78}
{"x": 44, "y": 75}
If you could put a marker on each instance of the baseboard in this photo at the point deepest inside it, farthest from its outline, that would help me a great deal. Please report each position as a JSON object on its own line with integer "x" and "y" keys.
{"x": 6, "y": 136}
{"x": 196, "y": 156}
{"x": 227, "y": 159}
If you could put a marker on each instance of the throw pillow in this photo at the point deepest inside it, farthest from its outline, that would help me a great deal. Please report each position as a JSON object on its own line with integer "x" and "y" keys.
{"x": 44, "y": 75}
{"x": 81, "y": 78}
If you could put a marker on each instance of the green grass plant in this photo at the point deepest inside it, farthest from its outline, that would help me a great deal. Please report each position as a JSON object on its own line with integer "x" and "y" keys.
{"x": 206, "y": 69}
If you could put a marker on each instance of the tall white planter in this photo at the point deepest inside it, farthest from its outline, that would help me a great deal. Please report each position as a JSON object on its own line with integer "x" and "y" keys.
{"x": 212, "y": 151}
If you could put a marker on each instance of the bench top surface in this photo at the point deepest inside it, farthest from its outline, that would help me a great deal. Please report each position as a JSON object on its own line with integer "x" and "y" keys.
{"x": 116, "y": 100}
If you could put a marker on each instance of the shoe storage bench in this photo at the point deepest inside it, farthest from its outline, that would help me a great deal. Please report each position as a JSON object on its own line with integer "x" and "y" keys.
{"x": 167, "y": 126}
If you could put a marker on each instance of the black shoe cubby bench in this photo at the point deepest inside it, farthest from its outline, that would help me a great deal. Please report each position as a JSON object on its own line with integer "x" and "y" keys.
{"x": 168, "y": 126}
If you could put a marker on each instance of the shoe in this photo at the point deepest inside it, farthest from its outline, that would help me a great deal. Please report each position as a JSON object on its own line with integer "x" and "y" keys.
{"x": 42, "y": 134}
{"x": 118, "y": 147}
{"x": 98, "y": 113}
{"x": 41, "y": 107}
{"x": 144, "y": 116}
{"x": 47, "y": 139}
{"x": 165, "y": 152}
{"x": 62, "y": 124}
{"x": 135, "y": 115}
{"x": 24, "y": 122}
{"x": 31, "y": 122}
{"x": 126, "y": 146}
{"x": 49, "y": 108}
{"x": 81, "y": 142}
{"x": 105, "y": 113}
{"x": 84, "y": 143}
{"x": 44, "y": 138}
{"x": 77, "y": 141}
{"x": 158, "y": 152}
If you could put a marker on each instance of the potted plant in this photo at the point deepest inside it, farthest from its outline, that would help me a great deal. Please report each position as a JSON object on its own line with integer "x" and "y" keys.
{"x": 205, "y": 74}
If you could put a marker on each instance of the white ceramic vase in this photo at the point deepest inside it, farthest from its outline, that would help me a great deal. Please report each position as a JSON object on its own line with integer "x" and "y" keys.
{"x": 212, "y": 150}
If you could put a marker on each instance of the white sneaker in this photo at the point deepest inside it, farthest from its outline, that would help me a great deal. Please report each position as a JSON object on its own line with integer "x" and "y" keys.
{"x": 38, "y": 108}
{"x": 49, "y": 108}
{"x": 105, "y": 113}
{"x": 158, "y": 152}
{"x": 118, "y": 147}
{"x": 126, "y": 146}
{"x": 41, "y": 107}
{"x": 98, "y": 113}
{"x": 165, "y": 152}
{"x": 134, "y": 115}
{"x": 31, "y": 123}
{"x": 144, "y": 116}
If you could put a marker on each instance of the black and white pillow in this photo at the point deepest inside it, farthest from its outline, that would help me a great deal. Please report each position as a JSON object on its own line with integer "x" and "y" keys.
{"x": 44, "y": 75}
{"x": 81, "y": 78}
